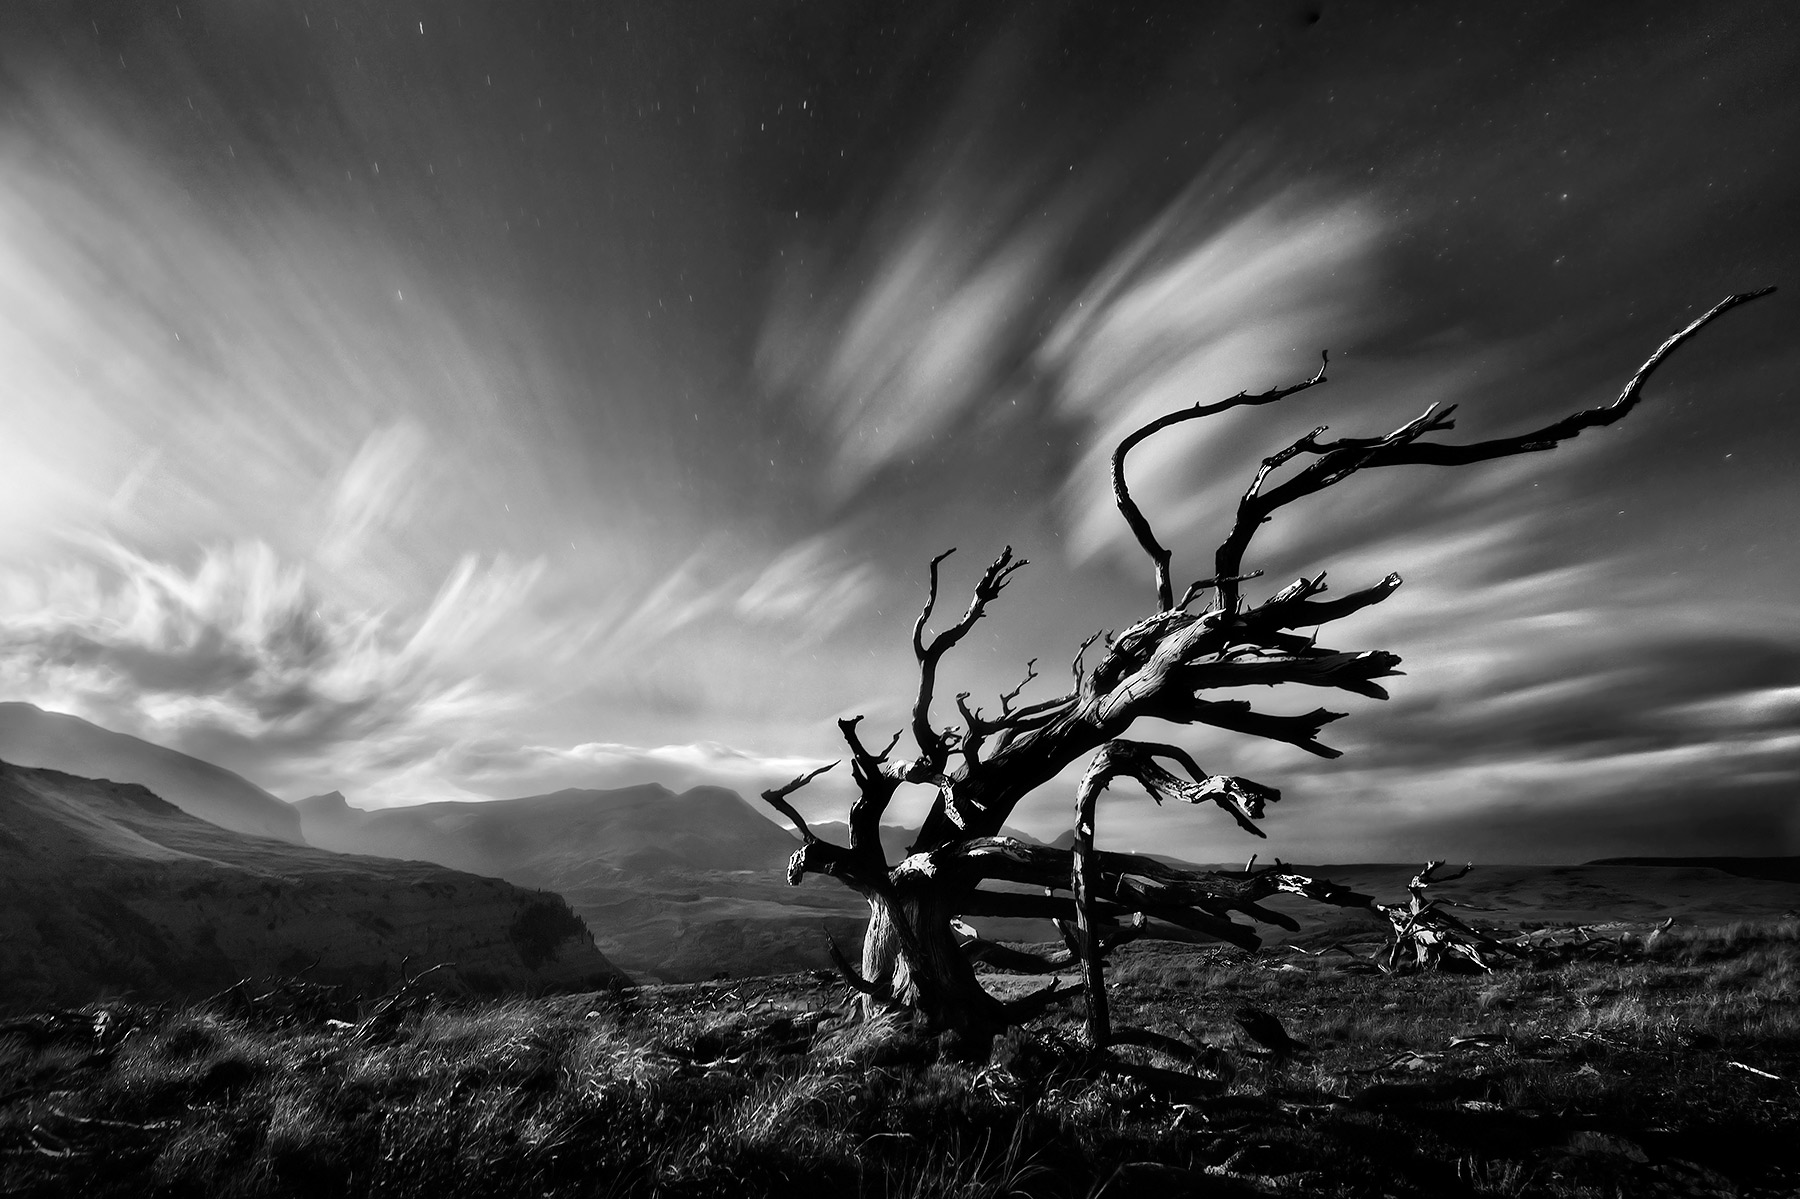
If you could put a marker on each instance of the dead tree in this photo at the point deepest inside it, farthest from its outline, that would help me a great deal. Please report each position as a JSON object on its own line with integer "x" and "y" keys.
{"x": 1166, "y": 666}
{"x": 1426, "y": 936}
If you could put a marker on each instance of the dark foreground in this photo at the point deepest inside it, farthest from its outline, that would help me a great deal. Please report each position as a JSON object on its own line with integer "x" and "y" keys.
{"x": 1647, "y": 1075}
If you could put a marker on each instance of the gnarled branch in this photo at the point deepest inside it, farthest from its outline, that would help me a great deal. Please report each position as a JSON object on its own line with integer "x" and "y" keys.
{"x": 876, "y": 781}
{"x": 933, "y": 748}
{"x": 1335, "y": 461}
{"x": 777, "y": 799}
{"x": 1235, "y": 715}
{"x": 1134, "y": 516}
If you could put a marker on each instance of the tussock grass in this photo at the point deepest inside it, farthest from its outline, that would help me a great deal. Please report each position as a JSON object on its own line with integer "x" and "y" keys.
{"x": 1612, "y": 1078}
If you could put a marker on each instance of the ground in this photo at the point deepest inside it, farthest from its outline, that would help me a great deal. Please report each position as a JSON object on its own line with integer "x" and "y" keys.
{"x": 1658, "y": 1068}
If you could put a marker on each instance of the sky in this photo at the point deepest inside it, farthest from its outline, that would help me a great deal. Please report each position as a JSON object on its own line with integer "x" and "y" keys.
{"x": 460, "y": 401}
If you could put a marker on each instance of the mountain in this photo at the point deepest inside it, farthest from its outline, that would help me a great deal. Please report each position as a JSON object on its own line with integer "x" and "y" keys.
{"x": 675, "y": 886}
{"x": 104, "y": 886}
{"x": 30, "y": 736}
{"x": 569, "y": 838}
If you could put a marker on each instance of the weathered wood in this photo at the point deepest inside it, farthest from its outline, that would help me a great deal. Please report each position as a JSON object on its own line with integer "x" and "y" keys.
{"x": 1134, "y": 516}
{"x": 1093, "y": 969}
{"x": 1005, "y": 957}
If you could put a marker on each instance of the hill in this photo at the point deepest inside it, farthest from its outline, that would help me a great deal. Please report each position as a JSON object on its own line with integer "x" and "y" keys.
{"x": 676, "y": 887}
{"x": 1785, "y": 870}
{"x": 104, "y": 886}
{"x": 30, "y": 736}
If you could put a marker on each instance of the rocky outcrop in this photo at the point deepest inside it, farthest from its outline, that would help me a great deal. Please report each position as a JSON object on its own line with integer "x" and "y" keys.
{"x": 106, "y": 888}
{"x": 30, "y": 736}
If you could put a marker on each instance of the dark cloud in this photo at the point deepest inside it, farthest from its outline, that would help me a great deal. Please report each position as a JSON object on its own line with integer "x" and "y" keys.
{"x": 1731, "y": 818}
{"x": 1609, "y": 694}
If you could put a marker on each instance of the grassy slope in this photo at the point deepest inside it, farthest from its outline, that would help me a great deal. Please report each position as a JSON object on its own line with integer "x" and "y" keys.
{"x": 1596, "y": 1079}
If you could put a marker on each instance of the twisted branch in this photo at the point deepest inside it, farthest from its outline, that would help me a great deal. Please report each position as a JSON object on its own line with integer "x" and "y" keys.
{"x": 1134, "y": 516}
{"x": 934, "y": 748}
{"x": 1336, "y": 461}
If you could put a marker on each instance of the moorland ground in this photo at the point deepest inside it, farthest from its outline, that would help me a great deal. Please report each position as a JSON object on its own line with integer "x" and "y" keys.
{"x": 1660, "y": 1067}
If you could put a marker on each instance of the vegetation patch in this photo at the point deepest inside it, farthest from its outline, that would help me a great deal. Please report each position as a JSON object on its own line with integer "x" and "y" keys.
{"x": 541, "y": 929}
{"x": 1666, "y": 1071}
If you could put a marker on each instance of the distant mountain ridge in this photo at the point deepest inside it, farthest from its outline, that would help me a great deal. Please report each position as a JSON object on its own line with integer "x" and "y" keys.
{"x": 1775, "y": 869}
{"x": 675, "y": 886}
{"x": 104, "y": 885}
{"x": 30, "y": 736}
{"x": 566, "y": 838}
{"x": 897, "y": 839}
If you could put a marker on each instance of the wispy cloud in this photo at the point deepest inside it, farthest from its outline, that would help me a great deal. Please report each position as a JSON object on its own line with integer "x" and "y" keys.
{"x": 265, "y": 372}
{"x": 240, "y": 656}
{"x": 806, "y": 590}
{"x": 382, "y": 485}
{"x": 921, "y": 321}
{"x": 1191, "y": 312}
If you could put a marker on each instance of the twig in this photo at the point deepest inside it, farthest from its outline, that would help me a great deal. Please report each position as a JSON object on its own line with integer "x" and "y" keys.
{"x": 1754, "y": 1070}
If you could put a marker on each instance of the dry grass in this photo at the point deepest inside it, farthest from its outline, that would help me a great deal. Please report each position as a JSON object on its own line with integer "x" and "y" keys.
{"x": 1590, "y": 1079}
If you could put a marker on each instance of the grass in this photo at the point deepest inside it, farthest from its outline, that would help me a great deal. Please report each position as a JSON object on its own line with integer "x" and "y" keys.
{"x": 1590, "y": 1079}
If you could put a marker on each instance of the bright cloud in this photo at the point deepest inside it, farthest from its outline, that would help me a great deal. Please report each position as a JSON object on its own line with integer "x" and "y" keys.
{"x": 243, "y": 648}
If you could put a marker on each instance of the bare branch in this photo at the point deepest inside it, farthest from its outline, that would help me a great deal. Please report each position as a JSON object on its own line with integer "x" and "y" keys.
{"x": 1134, "y": 516}
{"x": 1005, "y": 957}
{"x": 1006, "y": 700}
{"x": 933, "y": 748}
{"x": 1316, "y": 668}
{"x": 1093, "y": 969}
{"x": 1081, "y": 652}
{"x": 1430, "y": 876}
{"x": 1243, "y": 799}
{"x": 1336, "y": 461}
{"x": 918, "y": 635}
{"x": 777, "y": 799}
{"x": 1295, "y": 612}
{"x": 844, "y": 968}
{"x": 1236, "y": 716}
{"x": 1551, "y": 435}
{"x": 818, "y": 856}
{"x": 876, "y": 783}
{"x": 1200, "y": 586}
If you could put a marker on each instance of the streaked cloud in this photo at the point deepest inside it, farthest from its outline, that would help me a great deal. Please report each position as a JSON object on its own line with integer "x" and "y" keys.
{"x": 242, "y": 658}
{"x": 809, "y": 589}
{"x": 242, "y": 653}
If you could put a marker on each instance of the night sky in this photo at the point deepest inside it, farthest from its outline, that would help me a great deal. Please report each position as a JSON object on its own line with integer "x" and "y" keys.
{"x": 445, "y": 400}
